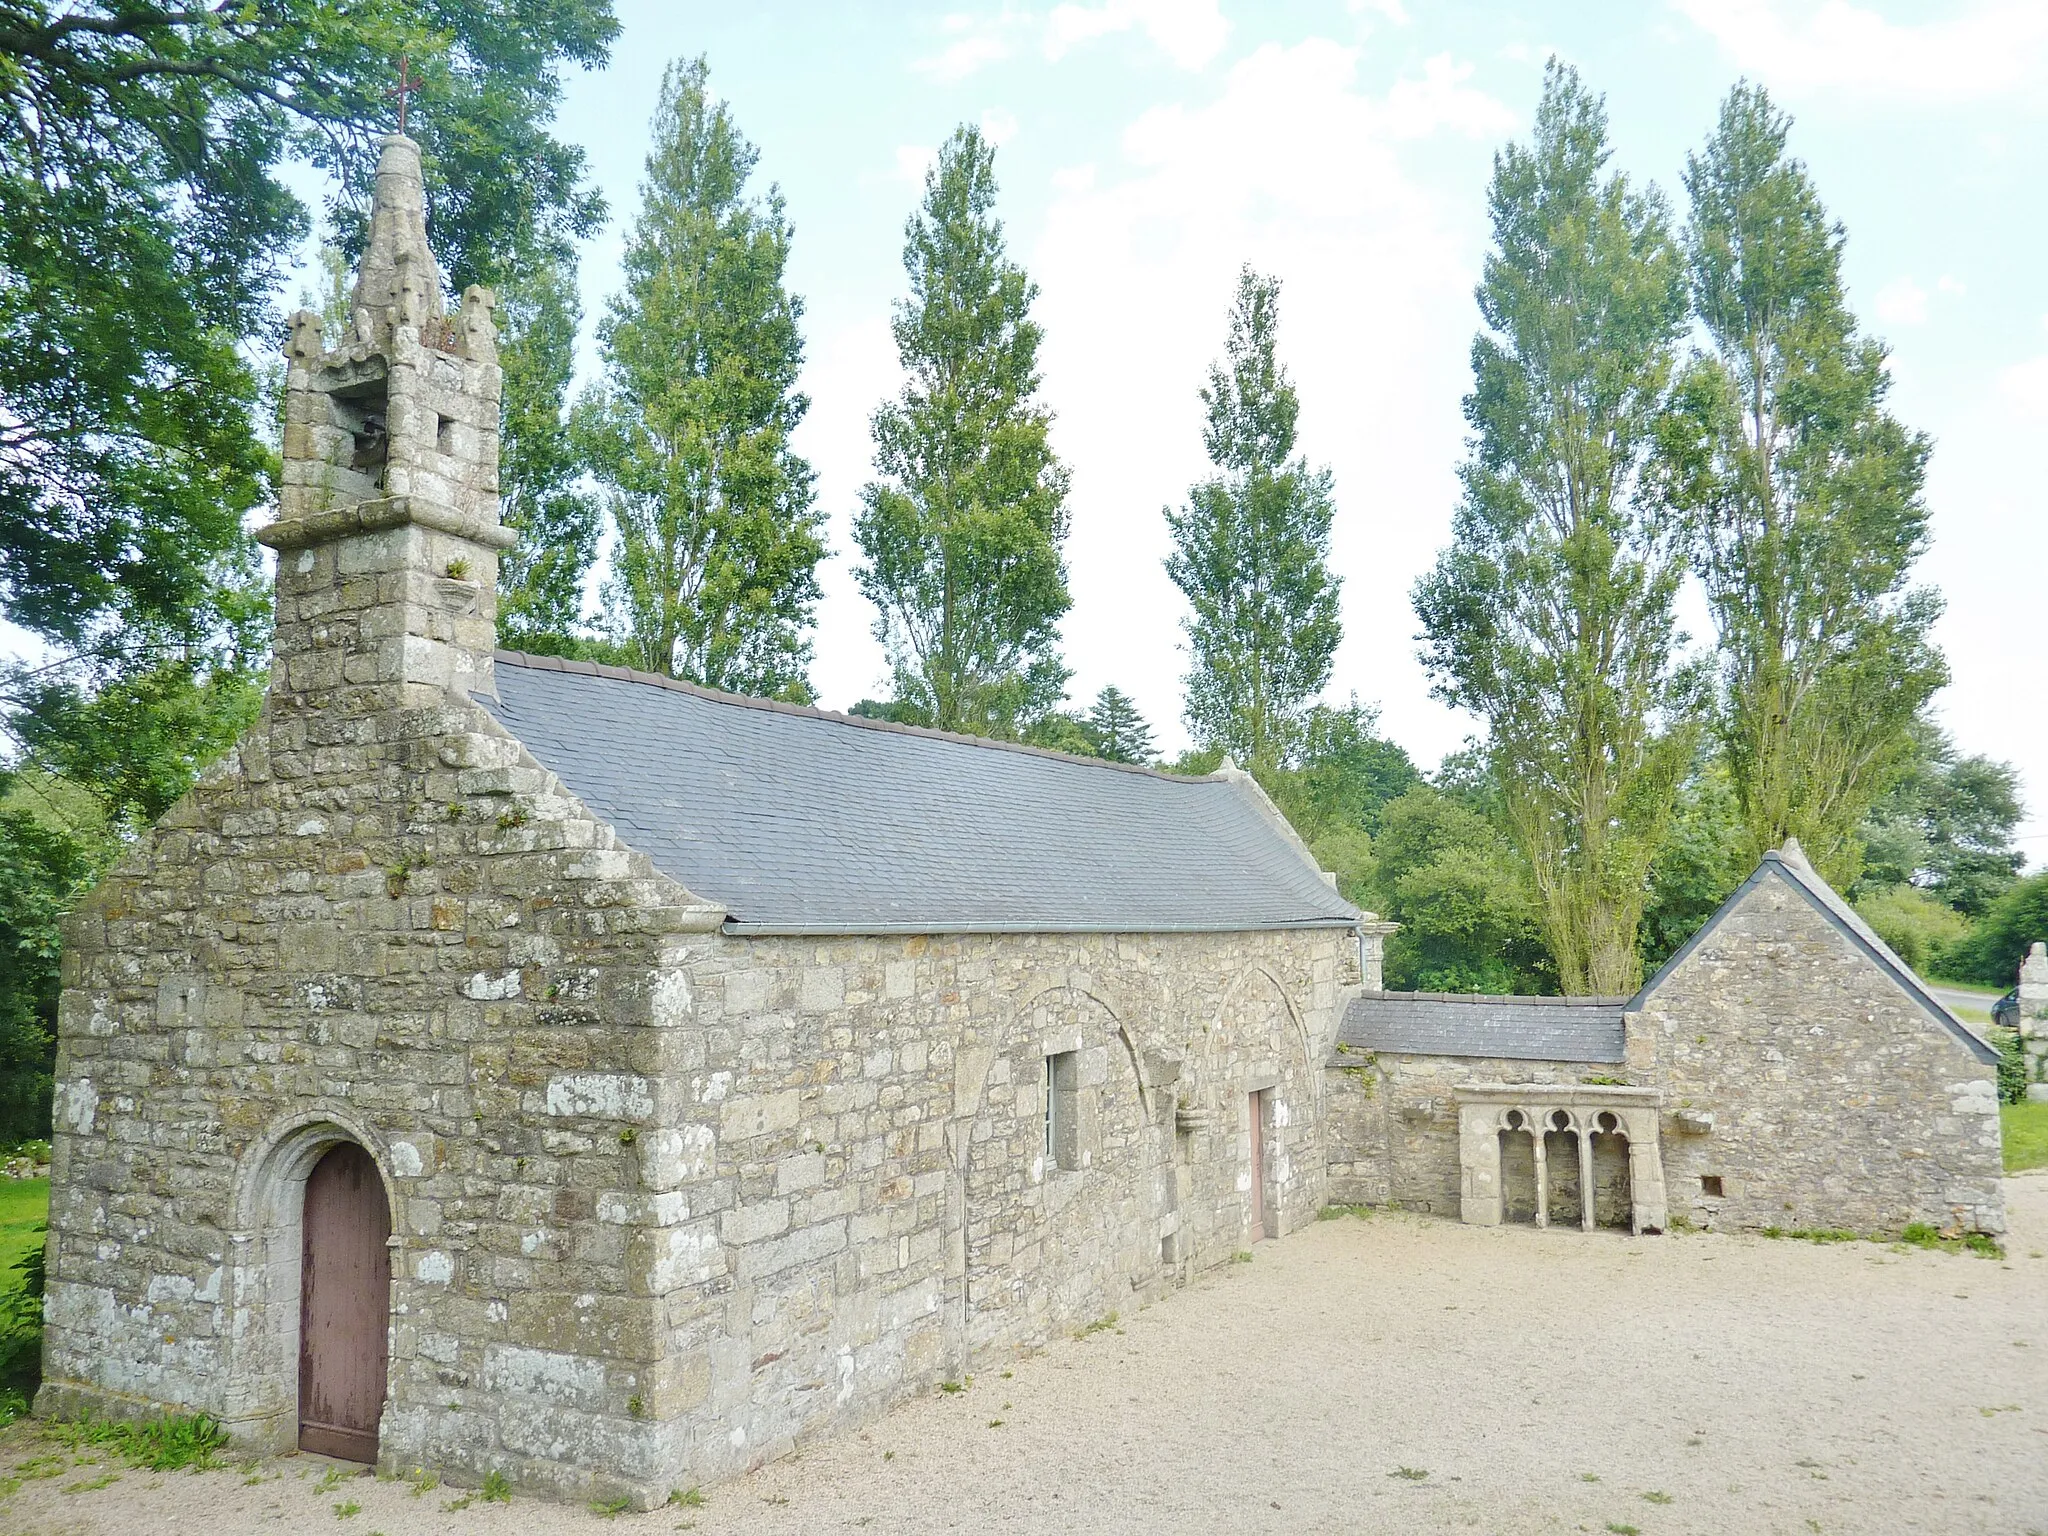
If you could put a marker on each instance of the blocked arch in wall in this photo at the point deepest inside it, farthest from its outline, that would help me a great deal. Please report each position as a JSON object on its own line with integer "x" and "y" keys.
{"x": 1234, "y": 994}
{"x": 261, "y": 1399}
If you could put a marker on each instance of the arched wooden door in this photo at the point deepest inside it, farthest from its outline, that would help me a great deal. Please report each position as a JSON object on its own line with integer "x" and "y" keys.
{"x": 344, "y": 1306}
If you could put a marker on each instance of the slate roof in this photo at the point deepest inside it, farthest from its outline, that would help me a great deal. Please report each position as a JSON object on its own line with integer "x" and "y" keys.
{"x": 1508, "y": 1028}
{"x": 800, "y": 821}
{"x": 1790, "y": 865}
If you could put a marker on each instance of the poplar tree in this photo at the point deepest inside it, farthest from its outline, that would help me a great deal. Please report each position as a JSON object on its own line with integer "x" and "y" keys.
{"x": 1251, "y": 551}
{"x": 961, "y": 531}
{"x": 1804, "y": 502}
{"x": 1550, "y": 615}
{"x": 714, "y": 575}
{"x": 540, "y": 579}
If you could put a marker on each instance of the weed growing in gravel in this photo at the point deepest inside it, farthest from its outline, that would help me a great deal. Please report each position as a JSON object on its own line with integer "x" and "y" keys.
{"x": 952, "y": 1386}
{"x": 693, "y": 1498}
{"x": 1921, "y": 1235}
{"x": 1242, "y": 1256}
{"x": 423, "y": 1481}
{"x": 1100, "y": 1325}
{"x": 1411, "y": 1474}
{"x": 88, "y": 1486}
{"x": 333, "y": 1480}
{"x": 1335, "y": 1212}
{"x": 1655, "y": 1497}
{"x": 496, "y": 1489}
{"x": 1813, "y": 1234}
{"x": 1589, "y": 1477}
{"x": 611, "y": 1509}
{"x": 348, "y": 1510}
{"x": 1618, "y": 1529}
{"x": 161, "y": 1445}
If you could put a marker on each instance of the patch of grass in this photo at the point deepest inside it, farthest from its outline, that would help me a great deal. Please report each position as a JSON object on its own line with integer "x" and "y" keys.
{"x": 1409, "y": 1474}
{"x": 422, "y": 1481}
{"x": 1242, "y": 1256}
{"x": 1619, "y": 1529}
{"x": 102, "y": 1481}
{"x": 497, "y": 1489}
{"x": 611, "y": 1509}
{"x": 693, "y": 1498}
{"x": 952, "y": 1386}
{"x": 161, "y": 1445}
{"x": 1655, "y": 1496}
{"x": 347, "y": 1510}
{"x": 2026, "y": 1135}
{"x": 1100, "y": 1325}
{"x": 1814, "y": 1234}
{"x": 1589, "y": 1477}
{"x": 1922, "y": 1235}
{"x": 1333, "y": 1212}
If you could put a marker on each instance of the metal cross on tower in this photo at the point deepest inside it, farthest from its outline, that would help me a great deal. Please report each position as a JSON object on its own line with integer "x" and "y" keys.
{"x": 408, "y": 82}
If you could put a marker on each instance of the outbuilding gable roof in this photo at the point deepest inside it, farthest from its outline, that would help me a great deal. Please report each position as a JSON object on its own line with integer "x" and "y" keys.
{"x": 796, "y": 820}
{"x": 1789, "y": 864}
{"x": 1504, "y": 1028}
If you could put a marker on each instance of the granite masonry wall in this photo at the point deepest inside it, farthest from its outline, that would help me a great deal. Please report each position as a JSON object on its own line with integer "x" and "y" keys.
{"x": 1836, "y": 1101}
{"x": 665, "y": 1201}
{"x": 1796, "y": 1078}
{"x": 1393, "y": 1122}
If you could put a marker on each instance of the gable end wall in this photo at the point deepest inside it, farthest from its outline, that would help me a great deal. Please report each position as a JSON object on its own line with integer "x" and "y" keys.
{"x": 1837, "y": 1101}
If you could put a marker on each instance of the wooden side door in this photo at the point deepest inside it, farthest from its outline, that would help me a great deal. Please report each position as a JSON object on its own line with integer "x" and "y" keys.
{"x": 1256, "y": 1110}
{"x": 344, "y": 1306}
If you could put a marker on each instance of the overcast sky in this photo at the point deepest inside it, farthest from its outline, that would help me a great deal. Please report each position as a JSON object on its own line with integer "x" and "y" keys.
{"x": 1147, "y": 149}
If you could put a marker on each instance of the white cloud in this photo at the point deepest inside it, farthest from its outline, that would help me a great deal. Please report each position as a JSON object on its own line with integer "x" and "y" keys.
{"x": 1290, "y": 166}
{"x": 1902, "y": 302}
{"x": 1985, "y": 48}
{"x": 998, "y": 126}
{"x": 912, "y": 161}
{"x": 1189, "y": 32}
{"x": 1389, "y": 10}
{"x": 976, "y": 42}
{"x": 2025, "y": 387}
{"x": 1954, "y": 285}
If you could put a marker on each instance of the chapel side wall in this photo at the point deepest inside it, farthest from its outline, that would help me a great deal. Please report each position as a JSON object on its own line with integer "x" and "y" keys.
{"x": 1394, "y": 1124}
{"x": 1837, "y": 1102}
{"x": 397, "y": 926}
{"x": 877, "y": 1107}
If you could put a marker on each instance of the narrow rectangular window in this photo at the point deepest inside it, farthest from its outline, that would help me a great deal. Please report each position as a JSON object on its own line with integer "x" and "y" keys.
{"x": 1062, "y": 1082}
{"x": 1710, "y": 1185}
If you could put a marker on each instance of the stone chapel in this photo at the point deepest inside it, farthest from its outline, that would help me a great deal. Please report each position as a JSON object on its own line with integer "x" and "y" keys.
{"x": 499, "y": 1064}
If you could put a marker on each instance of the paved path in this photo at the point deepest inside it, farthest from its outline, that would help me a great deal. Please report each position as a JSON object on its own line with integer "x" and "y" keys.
{"x": 1397, "y": 1374}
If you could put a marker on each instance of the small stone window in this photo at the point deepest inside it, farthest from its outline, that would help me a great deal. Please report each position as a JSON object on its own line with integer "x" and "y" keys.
{"x": 444, "y": 433}
{"x": 1710, "y": 1186}
{"x": 1062, "y": 1110}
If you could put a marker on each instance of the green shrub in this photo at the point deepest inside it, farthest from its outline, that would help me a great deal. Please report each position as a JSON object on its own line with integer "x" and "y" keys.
{"x": 1920, "y": 929}
{"x": 1993, "y": 951}
{"x": 2012, "y": 1066}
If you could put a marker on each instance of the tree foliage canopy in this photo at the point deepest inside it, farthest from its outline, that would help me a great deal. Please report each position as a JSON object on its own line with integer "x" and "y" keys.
{"x": 715, "y": 571}
{"x": 1551, "y": 614}
{"x": 961, "y": 532}
{"x": 1803, "y": 498}
{"x": 1251, "y": 550}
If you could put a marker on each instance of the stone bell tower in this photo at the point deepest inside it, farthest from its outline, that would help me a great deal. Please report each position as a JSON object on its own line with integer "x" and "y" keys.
{"x": 387, "y": 534}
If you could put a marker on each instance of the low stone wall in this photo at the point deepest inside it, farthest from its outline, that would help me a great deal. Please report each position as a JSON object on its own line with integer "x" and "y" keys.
{"x": 1393, "y": 1127}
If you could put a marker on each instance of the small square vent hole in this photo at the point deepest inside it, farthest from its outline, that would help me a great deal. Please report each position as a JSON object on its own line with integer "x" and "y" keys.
{"x": 1710, "y": 1185}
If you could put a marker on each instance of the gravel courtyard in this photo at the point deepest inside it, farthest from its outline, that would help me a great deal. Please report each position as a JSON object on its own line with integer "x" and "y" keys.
{"x": 1391, "y": 1374}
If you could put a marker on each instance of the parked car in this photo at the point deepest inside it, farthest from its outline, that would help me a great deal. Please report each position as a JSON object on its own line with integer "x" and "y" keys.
{"x": 2006, "y": 1011}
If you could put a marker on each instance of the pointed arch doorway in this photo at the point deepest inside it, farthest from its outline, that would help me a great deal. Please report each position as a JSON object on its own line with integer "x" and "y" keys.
{"x": 344, "y": 1305}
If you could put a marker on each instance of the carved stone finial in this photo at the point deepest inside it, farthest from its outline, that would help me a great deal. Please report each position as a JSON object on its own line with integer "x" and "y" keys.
{"x": 398, "y": 281}
{"x": 308, "y": 338}
{"x": 477, "y": 323}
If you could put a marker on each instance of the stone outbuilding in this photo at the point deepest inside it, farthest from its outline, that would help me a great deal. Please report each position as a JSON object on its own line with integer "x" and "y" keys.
{"x": 505, "y": 1065}
{"x": 1784, "y": 1069}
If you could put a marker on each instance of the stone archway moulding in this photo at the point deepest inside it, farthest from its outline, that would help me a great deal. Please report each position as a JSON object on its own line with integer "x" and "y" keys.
{"x": 1484, "y": 1110}
{"x": 260, "y": 1395}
